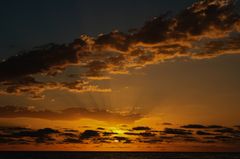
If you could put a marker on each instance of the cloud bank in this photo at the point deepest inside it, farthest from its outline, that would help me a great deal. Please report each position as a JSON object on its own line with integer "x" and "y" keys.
{"x": 25, "y": 136}
{"x": 207, "y": 29}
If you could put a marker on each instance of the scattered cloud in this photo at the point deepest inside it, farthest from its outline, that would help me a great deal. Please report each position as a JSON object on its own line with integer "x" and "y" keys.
{"x": 67, "y": 114}
{"x": 22, "y": 135}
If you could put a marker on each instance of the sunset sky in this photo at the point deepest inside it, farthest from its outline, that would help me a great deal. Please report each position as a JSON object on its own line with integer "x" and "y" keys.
{"x": 139, "y": 75}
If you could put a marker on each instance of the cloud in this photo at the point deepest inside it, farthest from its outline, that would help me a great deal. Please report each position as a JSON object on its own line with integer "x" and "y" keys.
{"x": 100, "y": 128}
{"x": 89, "y": 134}
{"x": 22, "y": 135}
{"x": 70, "y": 131}
{"x": 67, "y": 114}
{"x": 39, "y": 133}
{"x": 70, "y": 135}
{"x": 45, "y": 140}
{"x": 143, "y": 134}
{"x": 18, "y": 135}
{"x": 207, "y": 29}
{"x": 227, "y": 130}
{"x": 203, "y": 133}
{"x": 215, "y": 126}
{"x": 194, "y": 126}
{"x": 199, "y": 126}
{"x": 109, "y": 133}
{"x": 237, "y": 126}
{"x": 35, "y": 88}
{"x": 177, "y": 131}
{"x": 141, "y": 128}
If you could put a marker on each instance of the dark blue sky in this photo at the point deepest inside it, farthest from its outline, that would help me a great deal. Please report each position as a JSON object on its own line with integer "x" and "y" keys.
{"x": 29, "y": 23}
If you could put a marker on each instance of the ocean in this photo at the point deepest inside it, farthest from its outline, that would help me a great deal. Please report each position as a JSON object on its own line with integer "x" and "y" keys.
{"x": 116, "y": 155}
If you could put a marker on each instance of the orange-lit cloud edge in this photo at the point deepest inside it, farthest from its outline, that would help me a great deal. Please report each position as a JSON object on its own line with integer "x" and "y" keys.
{"x": 163, "y": 38}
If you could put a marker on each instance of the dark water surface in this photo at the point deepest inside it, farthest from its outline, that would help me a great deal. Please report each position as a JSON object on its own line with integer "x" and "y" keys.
{"x": 116, "y": 155}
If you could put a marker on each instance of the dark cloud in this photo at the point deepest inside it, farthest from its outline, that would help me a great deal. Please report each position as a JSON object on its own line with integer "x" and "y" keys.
{"x": 21, "y": 135}
{"x": 151, "y": 141}
{"x": 206, "y": 29}
{"x": 87, "y": 134}
{"x": 71, "y": 135}
{"x": 109, "y": 133}
{"x": 131, "y": 133}
{"x": 237, "y": 126}
{"x": 177, "y": 131}
{"x": 37, "y": 61}
{"x": 45, "y": 140}
{"x": 194, "y": 126}
{"x": 190, "y": 139}
{"x": 141, "y": 128}
{"x": 227, "y": 130}
{"x": 223, "y": 138}
{"x": 11, "y": 141}
{"x": 39, "y": 133}
{"x": 199, "y": 126}
{"x": 70, "y": 131}
{"x": 147, "y": 134}
{"x": 214, "y": 126}
{"x": 100, "y": 128}
{"x": 12, "y": 129}
{"x": 4, "y": 140}
{"x": 143, "y": 134}
{"x": 66, "y": 114}
{"x": 203, "y": 133}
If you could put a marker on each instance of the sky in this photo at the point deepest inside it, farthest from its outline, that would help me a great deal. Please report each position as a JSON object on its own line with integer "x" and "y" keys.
{"x": 88, "y": 75}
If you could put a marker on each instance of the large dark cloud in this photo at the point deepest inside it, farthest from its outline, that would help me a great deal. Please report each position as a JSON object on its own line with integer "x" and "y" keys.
{"x": 38, "y": 60}
{"x": 19, "y": 135}
{"x": 67, "y": 114}
{"x": 206, "y": 29}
